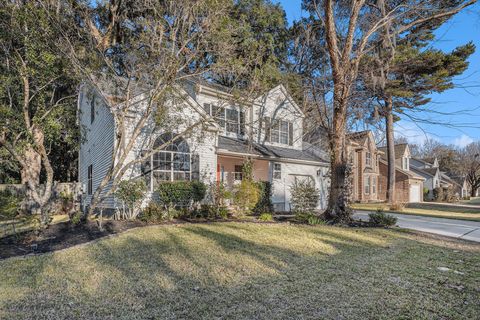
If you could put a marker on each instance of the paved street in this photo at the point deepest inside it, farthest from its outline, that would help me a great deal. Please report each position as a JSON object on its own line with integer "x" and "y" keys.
{"x": 461, "y": 229}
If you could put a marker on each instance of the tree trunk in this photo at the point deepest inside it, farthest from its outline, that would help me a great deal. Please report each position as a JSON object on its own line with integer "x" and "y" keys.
{"x": 31, "y": 173}
{"x": 338, "y": 210}
{"x": 390, "y": 150}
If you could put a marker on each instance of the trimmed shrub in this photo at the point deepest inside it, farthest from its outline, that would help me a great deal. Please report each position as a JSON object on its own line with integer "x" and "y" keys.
{"x": 449, "y": 194}
{"x": 304, "y": 197}
{"x": 264, "y": 204}
{"x": 180, "y": 194}
{"x": 246, "y": 196}
{"x": 426, "y": 193}
{"x": 131, "y": 193}
{"x": 379, "y": 218}
{"x": 266, "y": 216}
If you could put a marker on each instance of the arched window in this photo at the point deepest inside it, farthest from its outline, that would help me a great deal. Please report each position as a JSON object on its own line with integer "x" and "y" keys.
{"x": 172, "y": 162}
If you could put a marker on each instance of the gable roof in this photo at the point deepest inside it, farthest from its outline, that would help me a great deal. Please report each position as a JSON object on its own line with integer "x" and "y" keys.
{"x": 400, "y": 150}
{"x": 359, "y": 137}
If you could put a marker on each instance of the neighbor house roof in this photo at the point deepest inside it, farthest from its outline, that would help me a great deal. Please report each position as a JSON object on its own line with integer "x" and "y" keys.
{"x": 399, "y": 150}
{"x": 243, "y": 147}
{"x": 359, "y": 137}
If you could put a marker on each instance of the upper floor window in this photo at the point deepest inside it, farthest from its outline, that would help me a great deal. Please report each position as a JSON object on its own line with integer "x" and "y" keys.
{"x": 230, "y": 119}
{"x": 405, "y": 163}
{"x": 92, "y": 110}
{"x": 368, "y": 159}
{"x": 279, "y": 131}
{"x": 277, "y": 171}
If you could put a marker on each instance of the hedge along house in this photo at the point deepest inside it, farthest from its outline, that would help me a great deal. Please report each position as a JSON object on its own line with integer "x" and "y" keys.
{"x": 210, "y": 135}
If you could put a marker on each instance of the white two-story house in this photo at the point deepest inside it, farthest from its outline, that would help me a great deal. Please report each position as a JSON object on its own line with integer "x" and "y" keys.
{"x": 214, "y": 135}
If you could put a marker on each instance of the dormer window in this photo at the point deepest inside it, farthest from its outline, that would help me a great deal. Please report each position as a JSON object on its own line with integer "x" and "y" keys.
{"x": 405, "y": 163}
{"x": 231, "y": 120}
{"x": 368, "y": 159}
{"x": 279, "y": 131}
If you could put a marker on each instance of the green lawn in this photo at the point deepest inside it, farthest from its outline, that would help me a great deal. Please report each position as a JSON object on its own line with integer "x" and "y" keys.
{"x": 473, "y": 201}
{"x": 9, "y": 227}
{"x": 427, "y": 209}
{"x": 247, "y": 271}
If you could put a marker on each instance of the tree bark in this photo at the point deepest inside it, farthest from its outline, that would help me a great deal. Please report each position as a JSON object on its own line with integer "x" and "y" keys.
{"x": 390, "y": 150}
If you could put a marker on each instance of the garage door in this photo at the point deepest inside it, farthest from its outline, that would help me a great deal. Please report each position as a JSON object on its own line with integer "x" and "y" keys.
{"x": 415, "y": 193}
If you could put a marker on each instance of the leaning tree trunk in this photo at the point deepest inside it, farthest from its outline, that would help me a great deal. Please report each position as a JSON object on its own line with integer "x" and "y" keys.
{"x": 390, "y": 150}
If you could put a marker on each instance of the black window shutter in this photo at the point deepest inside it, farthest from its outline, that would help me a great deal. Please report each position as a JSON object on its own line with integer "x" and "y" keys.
{"x": 290, "y": 134}
{"x": 92, "y": 110}
{"x": 242, "y": 122}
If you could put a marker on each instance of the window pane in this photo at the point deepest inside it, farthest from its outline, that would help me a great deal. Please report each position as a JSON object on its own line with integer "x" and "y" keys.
{"x": 284, "y": 126}
{"x": 179, "y": 176}
{"x": 284, "y": 138}
{"x": 277, "y": 166}
{"x": 165, "y": 161}
{"x": 274, "y": 136}
{"x": 206, "y": 107}
{"x": 159, "y": 176}
{"x": 232, "y": 115}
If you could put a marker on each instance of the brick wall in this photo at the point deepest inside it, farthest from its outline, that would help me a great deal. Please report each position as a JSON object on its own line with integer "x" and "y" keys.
{"x": 402, "y": 186}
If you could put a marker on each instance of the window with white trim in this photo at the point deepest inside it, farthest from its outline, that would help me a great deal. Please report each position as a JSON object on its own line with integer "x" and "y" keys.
{"x": 367, "y": 185}
{"x": 231, "y": 120}
{"x": 278, "y": 131}
{"x": 374, "y": 185}
{"x": 368, "y": 159}
{"x": 172, "y": 162}
{"x": 277, "y": 171}
{"x": 405, "y": 163}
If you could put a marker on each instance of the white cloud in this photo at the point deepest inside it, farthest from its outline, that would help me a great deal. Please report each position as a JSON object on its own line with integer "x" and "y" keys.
{"x": 462, "y": 141}
{"x": 412, "y": 132}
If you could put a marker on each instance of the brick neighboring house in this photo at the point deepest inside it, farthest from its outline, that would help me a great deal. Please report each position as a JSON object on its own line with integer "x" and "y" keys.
{"x": 408, "y": 184}
{"x": 364, "y": 156}
{"x": 370, "y": 171}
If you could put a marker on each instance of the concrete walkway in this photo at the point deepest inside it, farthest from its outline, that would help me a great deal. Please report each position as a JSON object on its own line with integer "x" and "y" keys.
{"x": 461, "y": 229}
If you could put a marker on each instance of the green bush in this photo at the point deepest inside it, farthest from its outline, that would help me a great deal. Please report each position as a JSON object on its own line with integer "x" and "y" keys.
{"x": 308, "y": 218}
{"x": 266, "y": 216}
{"x": 426, "y": 193}
{"x": 180, "y": 194}
{"x": 264, "y": 204}
{"x": 247, "y": 195}
{"x": 210, "y": 212}
{"x": 131, "y": 193}
{"x": 379, "y": 218}
{"x": 304, "y": 197}
{"x": 154, "y": 212}
{"x": 9, "y": 204}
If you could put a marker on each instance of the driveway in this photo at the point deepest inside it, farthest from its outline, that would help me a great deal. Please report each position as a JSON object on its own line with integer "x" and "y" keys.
{"x": 461, "y": 229}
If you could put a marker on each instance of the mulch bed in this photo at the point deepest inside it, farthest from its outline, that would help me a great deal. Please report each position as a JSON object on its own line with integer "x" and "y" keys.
{"x": 59, "y": 236}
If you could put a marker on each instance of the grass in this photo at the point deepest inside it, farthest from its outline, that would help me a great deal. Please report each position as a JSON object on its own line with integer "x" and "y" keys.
{"x": 7, "y": 226}
{"x": 427, "y": 209}
{"x": 247, "y": 271}
{"x": 471, "y": 201}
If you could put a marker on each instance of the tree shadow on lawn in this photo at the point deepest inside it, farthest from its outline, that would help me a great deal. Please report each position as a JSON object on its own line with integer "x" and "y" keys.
{"x": 207, "y": 271}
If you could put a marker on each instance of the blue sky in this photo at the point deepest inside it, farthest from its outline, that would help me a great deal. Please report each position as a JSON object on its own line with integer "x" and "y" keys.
{"x": 462, "y": 28}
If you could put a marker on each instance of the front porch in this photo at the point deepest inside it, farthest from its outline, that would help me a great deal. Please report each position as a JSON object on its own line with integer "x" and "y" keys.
{"x": 229, "y": 170}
